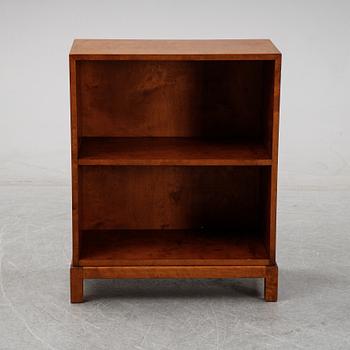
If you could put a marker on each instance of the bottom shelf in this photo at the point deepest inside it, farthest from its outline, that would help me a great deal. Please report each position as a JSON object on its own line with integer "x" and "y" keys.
{"x": 170, "y": 247}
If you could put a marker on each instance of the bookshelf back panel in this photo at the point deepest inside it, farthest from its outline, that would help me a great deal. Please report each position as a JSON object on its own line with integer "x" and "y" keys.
{"x": 172, "y": 197}
{"x": 217, "y": 99}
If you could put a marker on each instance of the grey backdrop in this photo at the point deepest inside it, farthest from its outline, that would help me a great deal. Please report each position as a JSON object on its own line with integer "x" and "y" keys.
{"x": 313, "y": 200}
{"x": 312, "y": 35}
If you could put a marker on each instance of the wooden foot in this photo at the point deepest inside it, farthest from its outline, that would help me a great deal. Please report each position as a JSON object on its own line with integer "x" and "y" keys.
{"x": 271, "y": 283}
{"x": 76, "y": 285}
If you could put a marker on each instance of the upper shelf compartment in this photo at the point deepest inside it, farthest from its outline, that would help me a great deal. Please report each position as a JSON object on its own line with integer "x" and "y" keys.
{"x": 229, "y": 100}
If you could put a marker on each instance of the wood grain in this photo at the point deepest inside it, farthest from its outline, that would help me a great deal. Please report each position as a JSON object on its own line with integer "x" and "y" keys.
{"x": 271, "y": 283}
{"x": 174, "y": 272}
{"x": 172, "y": 99}
{"x": 172, "y": 247}
{"x": 75, "y": 137}
{"x": 92, "y": 49}
{"x": 170, "y": 151}
{"x": 131, "y": 197}
{"x": 274, "y": 168}
{"x": 76, "y": 285}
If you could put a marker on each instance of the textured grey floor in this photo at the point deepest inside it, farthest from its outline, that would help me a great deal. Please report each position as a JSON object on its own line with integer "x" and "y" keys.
{"x": 313, "y": 311}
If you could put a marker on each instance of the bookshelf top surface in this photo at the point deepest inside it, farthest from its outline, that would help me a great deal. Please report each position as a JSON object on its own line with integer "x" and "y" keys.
{"x": 174, "y": 49}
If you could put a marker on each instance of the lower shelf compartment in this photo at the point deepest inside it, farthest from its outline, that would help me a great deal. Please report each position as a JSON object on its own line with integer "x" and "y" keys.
{"x": 171, "y": 248}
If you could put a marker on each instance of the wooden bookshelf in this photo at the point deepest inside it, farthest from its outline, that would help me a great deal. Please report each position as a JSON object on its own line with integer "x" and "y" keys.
{"x": 174, "y": 159}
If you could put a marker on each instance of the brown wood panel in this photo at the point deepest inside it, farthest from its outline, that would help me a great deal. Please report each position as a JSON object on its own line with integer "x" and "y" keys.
{"x": 271, "y": 283}
{"x": 76, "y": 285}
{"x": 272, "y": 198}
{"x": 177, "y": 99}
{"x": 175, "y": 272}
{"x": 74, "y": 161}
{"x": 172, "y": 247}
{"x": 170, "y": 151}
{"x": 268, "y": 103}
{"x": 259, "y": 49}
{"x": 169, "y": 197}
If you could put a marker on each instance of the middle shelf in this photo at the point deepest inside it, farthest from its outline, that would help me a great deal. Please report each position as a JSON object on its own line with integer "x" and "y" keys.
{"x": 170, "y": 151}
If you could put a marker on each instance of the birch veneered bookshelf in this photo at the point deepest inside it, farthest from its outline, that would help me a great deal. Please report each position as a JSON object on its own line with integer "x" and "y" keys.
{"x": 174, "y": 159}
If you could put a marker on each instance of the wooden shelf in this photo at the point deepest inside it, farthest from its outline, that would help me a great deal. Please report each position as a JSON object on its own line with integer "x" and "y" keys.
{"x": 174, "y": 160}
{"x": 170, "y": 247}
{"x": 170, "y": 151}
{"x": 218, "y": 49}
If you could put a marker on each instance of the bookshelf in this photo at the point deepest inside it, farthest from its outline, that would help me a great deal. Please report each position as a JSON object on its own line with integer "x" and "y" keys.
{"x": 174, "y": 160}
